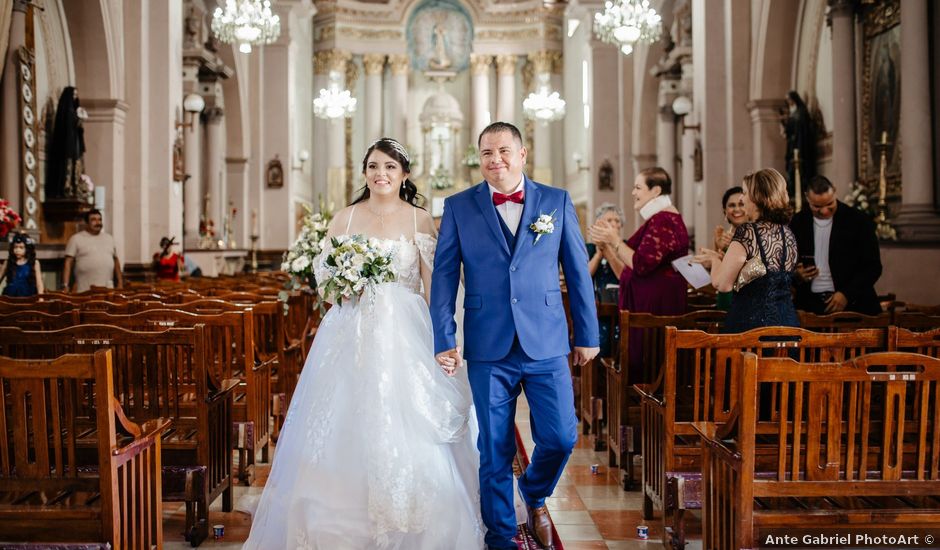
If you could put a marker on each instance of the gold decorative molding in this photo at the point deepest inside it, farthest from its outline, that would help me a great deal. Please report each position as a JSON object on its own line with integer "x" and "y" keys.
{"x": 370, "y": 34}
{"x": 480, "y": 64}
{"x": 528, "y": 74}
{"x": 511, "y": 35}
{"x": 339, "y": 60}
{"x": 506, "y": 64}
{"x": 399, "y": 64}
{"x": 374, "y": 63}
{"x": 352, "y": 74}
{"x": 558, "y": 62}
{"x": 321, "y": 61}
{"x": 544, "y": 61}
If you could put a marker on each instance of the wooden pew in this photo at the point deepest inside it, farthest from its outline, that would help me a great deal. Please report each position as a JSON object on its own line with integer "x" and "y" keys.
{"x": 593, "y": 382}
{"x": 623, "y": 406}
{"x": 39, "y": 320}
{"x": 231, "y": 347}
{"x": 843, "y": 321}
{"x": 851, "y": 447}
{"x": 698, "y": 384}
{"x": 916, "y": 320}
{"x": 161, "y": 374}
{"x": 53, "y": 490}
{"x": 926, "y": 342}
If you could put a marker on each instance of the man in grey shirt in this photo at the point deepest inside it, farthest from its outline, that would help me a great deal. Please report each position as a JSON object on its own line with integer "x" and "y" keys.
{"x": 92, "y": 256}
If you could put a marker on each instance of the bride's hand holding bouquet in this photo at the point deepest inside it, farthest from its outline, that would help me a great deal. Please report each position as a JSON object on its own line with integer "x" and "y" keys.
{"x": 350, "y": 265}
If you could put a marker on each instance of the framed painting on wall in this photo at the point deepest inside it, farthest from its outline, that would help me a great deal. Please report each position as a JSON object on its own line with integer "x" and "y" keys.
{"x": 881, "y": 96}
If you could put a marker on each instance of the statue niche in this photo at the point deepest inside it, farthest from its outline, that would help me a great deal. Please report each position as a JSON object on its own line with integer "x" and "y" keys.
{"x": 439, "y": 37}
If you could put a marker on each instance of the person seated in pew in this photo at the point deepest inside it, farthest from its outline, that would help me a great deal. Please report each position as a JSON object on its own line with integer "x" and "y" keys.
{"x": 760, "y": 259}
{"x": 168, "y": 262}
{"x": 21, "y": 271}
{"x": 733, "y": 208}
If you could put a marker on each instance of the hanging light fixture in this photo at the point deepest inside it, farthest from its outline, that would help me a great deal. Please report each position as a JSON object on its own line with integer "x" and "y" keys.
{"x": 623, "y": 23}
{"x": 246, "y": 22}
{"x": 333, "y": 101}
{"x": 544, "y": 105}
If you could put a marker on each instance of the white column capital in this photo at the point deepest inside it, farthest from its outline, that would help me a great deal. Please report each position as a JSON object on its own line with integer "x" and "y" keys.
{"x": 374, "y": 63}
{"x": 506, "y": 64}
{"x": 399, "y": 64}
{"x": 480, "y": 64}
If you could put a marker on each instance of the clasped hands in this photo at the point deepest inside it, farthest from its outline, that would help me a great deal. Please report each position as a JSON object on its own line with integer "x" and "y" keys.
{"x": 604, "y": 234}
{"x": 451, "y": 359}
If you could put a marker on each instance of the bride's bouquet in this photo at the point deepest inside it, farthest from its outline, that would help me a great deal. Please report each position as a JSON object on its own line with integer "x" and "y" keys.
{"x": 351, "y": 264}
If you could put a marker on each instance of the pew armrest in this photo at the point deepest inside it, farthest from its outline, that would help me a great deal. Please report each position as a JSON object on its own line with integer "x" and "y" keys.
{"x": 225, "y": 389}
{"x": 646, "y": 391}
{"x": 150, "y": 432}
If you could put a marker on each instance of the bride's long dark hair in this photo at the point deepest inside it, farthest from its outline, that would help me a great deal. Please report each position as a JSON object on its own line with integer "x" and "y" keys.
{"x": 408, "y": 191}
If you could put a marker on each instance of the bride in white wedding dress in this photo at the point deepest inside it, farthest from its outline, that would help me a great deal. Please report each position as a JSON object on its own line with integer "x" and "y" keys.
{"x": 376, "y": 450}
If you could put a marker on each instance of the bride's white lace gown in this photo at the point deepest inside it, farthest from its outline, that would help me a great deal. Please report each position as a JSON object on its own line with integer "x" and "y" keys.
{"x": 375, "y": 451}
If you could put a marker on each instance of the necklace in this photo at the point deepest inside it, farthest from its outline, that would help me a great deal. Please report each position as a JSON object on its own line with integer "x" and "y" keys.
{"x": 381, "y": 216}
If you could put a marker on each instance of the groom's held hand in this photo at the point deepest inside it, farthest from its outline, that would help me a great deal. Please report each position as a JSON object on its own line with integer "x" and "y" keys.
{"x": 583, "y": 355}
{"x": 449, "y": 360}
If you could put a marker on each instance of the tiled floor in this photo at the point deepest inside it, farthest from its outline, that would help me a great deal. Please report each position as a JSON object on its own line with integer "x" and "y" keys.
{"x": 590, "y": 511}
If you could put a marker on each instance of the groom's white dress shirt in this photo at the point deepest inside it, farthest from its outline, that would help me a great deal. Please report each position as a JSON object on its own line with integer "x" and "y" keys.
{"x": 511, "y": 212}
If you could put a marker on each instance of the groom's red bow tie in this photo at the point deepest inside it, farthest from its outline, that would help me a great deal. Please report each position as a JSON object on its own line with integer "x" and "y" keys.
{"x": 500, "y": 198}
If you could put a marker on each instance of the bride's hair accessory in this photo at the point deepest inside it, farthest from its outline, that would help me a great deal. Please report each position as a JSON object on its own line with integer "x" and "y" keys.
{"x": 395, "y": 145}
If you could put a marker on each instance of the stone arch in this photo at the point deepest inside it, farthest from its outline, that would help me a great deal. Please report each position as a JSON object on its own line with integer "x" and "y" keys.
{"x": 96, "y": 52}
{"x": 235, "y": 93}
{"x": 772, "y": 62}
{"x": 645, "y": 105}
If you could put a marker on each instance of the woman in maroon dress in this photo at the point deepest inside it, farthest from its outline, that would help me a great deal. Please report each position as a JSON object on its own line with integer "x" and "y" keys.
{"x": 648, "y": 283}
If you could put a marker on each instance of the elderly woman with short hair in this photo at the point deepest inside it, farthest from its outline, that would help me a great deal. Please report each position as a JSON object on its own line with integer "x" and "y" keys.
{"x": 605, "y": 266}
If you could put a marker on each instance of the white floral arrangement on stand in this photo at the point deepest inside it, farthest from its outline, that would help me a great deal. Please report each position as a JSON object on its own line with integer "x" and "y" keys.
{"x": 441, "y": 179}
{"x": 354, "y": 264}
{"x": 299, "y": 258}
{"x": 471, "y": 158}
{"x": 858, "y": 198}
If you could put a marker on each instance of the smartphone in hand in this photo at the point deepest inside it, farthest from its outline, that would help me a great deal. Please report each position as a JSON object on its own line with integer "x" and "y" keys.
{"x": 808, "y": 261}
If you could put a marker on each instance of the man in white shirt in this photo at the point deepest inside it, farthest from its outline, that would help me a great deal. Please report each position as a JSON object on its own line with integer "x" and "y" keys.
{"x": 839, "y": 256}
{"x": 91, "y": 256}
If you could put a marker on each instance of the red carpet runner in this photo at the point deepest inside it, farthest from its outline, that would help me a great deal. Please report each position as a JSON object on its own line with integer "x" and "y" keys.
{"x": 524, "y": 539}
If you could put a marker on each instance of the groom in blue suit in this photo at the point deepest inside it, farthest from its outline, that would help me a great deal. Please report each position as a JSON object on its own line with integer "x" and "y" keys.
{"x": 515, "y": 331}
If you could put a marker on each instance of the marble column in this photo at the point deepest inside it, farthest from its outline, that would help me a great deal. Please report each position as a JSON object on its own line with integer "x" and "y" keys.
{"x": 105, "y": 131}
{"x": 842, "y": 16}
{"x": 374, "y": 64}
{"x": 768, "y": 144}
{"x": 666, "y": 124}
{"x": 480, "y": 69}
{"x": 506, "y": 88}
{"x": 399, "y": 66}
{"x": 215, "y": 157}
{"x": 917, "y": 220}
{"x": 10, "y": 112}
{"x": 558, "y": 130}
{"x": 319, "y": 165}
{"x": 336, "y": 136}
{"x": 192, "y": 187}
{"x": 542, "y": 63}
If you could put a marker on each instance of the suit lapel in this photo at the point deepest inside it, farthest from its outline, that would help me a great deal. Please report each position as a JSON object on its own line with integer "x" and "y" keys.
{"x": 530, "y": 210}
{"x": 485, "y": 203}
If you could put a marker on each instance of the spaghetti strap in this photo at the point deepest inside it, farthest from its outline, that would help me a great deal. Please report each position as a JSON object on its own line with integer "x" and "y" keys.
{"x": 414, "y": 211}
{"x": 349, "y": 221}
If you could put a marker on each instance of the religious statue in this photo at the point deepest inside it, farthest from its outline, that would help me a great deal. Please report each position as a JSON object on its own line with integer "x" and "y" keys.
{"x": 440, "y": 60}
{"x": 275, "y": 173}
{"x": 800, "y": 132}
{"x": 66, "y": 151}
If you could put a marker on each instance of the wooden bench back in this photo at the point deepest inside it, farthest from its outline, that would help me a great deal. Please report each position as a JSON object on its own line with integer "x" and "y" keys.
{"x": 649, "y": 331}
{"x": 926, "y": 342}
{"x": 40, "y": 452}
{"x": 38, "y": 320}
{"x": 703, "y": 370}
{"x": 917, "y": 320}
{"x": 871, "y": 418}
{"x": 844, "y": 321}
{"x": 156, "y": 374}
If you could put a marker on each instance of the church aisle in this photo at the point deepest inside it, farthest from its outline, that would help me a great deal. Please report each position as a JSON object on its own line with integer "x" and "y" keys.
{"x": 590, "y": 512}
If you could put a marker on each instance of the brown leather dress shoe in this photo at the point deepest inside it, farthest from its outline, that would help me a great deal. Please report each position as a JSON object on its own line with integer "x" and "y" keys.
{"x": 540, "y": 526}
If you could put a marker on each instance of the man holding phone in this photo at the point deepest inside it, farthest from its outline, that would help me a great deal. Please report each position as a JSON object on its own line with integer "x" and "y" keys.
{"x": 840, "y": 261}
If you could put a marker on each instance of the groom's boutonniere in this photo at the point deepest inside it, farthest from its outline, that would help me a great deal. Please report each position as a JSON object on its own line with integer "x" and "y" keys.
{"x": 544, "y": 225}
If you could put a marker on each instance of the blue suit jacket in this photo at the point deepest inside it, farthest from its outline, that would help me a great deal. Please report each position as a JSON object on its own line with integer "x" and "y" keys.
{"x": 511, "y": 292}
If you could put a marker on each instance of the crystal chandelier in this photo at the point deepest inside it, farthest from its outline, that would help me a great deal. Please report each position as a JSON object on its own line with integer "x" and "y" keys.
{"x": 626, "y": 22}
{"x": 246, "y": 22}
{"x": 334, "y": 102}
{"x": 544, "y": 105}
